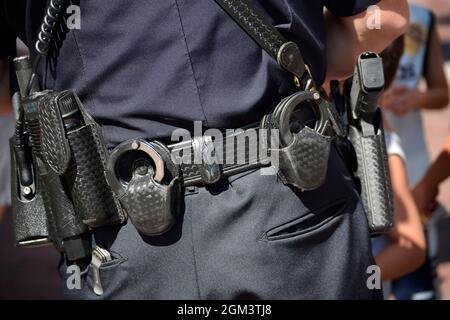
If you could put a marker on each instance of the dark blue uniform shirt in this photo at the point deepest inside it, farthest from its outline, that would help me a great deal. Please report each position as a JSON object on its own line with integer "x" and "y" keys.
{"x": 145, "y": 67}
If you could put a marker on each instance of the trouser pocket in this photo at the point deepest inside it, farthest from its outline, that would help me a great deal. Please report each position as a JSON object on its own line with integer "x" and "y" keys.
{"x": 99, "y": 280}
{"x": 309, "y": 222}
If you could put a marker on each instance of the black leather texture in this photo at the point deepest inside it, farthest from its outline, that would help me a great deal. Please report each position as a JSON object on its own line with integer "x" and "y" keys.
{"x": 304, "y": 163}
{"x": 55, "y": 147}
{"x": 68, "y": 224}
{"x": 30, "y": 217}
{"x": 92, "y": 196}
{"x": 373, "y": 174}
{"x": 266, "y": 35}
{"x": 152, "y": 207}
{"x": 239, "y": 157}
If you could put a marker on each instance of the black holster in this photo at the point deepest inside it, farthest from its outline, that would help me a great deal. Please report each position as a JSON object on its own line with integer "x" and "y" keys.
{"x": 374, "y": 178}
{"x": 367, "y": 136}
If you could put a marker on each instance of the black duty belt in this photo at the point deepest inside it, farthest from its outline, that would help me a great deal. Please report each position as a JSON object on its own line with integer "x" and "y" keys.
{"x": 294, "y": 139}
{"x": 202, "y": 160}
{"x": 232, "y": 154}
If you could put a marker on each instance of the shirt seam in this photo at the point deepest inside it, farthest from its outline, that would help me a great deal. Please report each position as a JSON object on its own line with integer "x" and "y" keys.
{"x": 84, "y": 74}
{"x": 191, "y": 64}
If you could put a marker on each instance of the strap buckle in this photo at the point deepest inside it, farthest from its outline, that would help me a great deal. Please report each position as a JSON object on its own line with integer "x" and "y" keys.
{"x": 290, "y": 58}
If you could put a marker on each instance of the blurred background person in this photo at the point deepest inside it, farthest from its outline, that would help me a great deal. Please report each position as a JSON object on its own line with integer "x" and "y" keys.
{"x": 425, "y": 193}
{"x": 403, "y": 102}
{"x": 436, "y": 122}
{"x": 402, "y": 250}
{"x": 436, "y": 130}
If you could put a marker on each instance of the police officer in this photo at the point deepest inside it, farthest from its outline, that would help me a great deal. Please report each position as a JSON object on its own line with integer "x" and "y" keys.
{"x": 145, "y": 68}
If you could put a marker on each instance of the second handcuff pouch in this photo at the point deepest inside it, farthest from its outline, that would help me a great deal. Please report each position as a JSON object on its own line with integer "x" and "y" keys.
{"x": 300, "y": 139}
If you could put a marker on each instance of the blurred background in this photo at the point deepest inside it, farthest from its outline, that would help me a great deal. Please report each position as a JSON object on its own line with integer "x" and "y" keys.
{"x": 32, "y": 273}
{"x": 437, "y": 122}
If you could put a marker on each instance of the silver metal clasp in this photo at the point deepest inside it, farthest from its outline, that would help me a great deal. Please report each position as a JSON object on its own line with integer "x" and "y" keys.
{"x": 290, "y": 58}
{"x": 99, "y": 257}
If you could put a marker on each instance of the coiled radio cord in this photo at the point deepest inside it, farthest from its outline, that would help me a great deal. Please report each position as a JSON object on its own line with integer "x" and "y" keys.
{"x": 53, "y": 15}
{"x": 51, "y": 20}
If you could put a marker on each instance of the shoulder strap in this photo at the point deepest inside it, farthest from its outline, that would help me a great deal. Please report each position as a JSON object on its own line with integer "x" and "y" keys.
{"x": 285, "y": 52}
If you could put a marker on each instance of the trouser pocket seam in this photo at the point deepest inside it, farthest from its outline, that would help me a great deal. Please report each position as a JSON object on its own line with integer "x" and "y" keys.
{"x": 307, "y": 223}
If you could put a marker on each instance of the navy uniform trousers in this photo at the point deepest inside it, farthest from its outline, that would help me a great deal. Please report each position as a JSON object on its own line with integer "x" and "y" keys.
{"x": 248, "y": 237}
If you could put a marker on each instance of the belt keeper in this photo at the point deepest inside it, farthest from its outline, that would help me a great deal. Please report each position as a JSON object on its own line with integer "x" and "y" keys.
{"x": 205, "y": 158}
